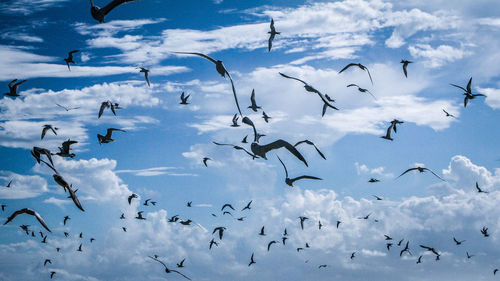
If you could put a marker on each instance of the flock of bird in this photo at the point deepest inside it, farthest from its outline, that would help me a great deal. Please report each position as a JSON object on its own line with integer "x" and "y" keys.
{"x": 256, "y": 151}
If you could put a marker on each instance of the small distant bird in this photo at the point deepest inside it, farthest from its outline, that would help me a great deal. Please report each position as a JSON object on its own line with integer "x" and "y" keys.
{"x": 272, "y": 33}
{"x": 265, "y": 116}
{"x": 28, "y": 212}
{"x": 3, "y": 207}
{"x": 99, "y": 13}
{"x": 13, "y": 87}
{"x": 338, "y": 223}
{"x": 219, "y": 229}
{"x": 186, "y": 222}
{"x": 52, "y": 274}
{"x": 283, "y": 239}
{"x": 479, "y": 190}
{"x": 79, "y": 248}
{"x": 205, "y": 159}
{"x": 44, "y": 240}
{"x": 122, "y": 217}
{"x": 290, "y": 181}
{"x": 254, "y": 105}
{"x": 448, "y": 115}
{"x": 132, "y": 197}
{"x": 251, "y": 260}
{"x": 241, "y": 218}
{"x": 405, "y": 65}
{"x": 419, "y": 260}
{"x": 146, "y": 202}
{"x": 8, "y": 185}
{"x": 469, "y": 256}
{"x": 25, "y": 228}
{"x": 285, "y": 233}
{"x": 184, "y": 99}
{"x": 307, "y": 245}
{"x": 319, "y": 225}
{"x": 69, "y": 59}
{"x": 421, "y": 170}
{"x": 400, "y": 241}
{"x": 406, "y": 249}
{"x": 387, "y": 237}
{"x": 173, "y": 218}
{"x": 262, "y": 231}
{"x": 270, "y": 243}
{"x": 48, "y": 127}
{"x": 228, "y": 206}
{"x": 372, "y": 180}
{"x": 247, "y": 207}
{"x": 67, "y": 108}
{"x": 362, "y": 90}
{"x": 167, "y": 270}
{"x": 353, "y": 255}
{"x": 484, "y": 231}
{"x": 181, "y": 264}
{"x": 58, "y": 249}
{"x": 139, "y": 216}
{"x": 302, "y": 219}
{"x": 244, "y": 140}
{"x": 66, "y": 218}
{"x": 235, "y": 120}
{"x": 212, "y": 242}
{"x": 458, "y": 242}
{"x": 299, "y": 249}
{"x": 362, "y": 67}
{"x": 188, "y": 204}
{"x": 365, "y": 217}
{"x": 107, "y": 138}
{"x": 91, "y": 240}
{"x": 468, "y": 92}
{"x": 124, "y": 229}
{"x": 66, "y": 234}
{"x": 146, "y": 74}
{"x": 388, "y": 245}
{"x": 81, "y": 234}
{"x": 495, "y": 271}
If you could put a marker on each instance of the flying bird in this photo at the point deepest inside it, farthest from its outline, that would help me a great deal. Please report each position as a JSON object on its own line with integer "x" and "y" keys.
{"x": 271, "y": 33}
{"x": 311, "y": 143}
{"x": 47, "y": 261}
{"x": 69, "y": 59}
{"x": 67, "y": 108}
{"x": 468, "y": 92}
{"x": 66, "y": 218}
{"x": 365, "y": 217}
{"x": 205, "y": 159}
{"x": 237, "y": 147}
{"x": 247, "y": 207}
{"x": 265, "y": 116}
{"x": 64, "y": 150}
{"x": 212, "y": 242}
{"x": 184, "y": 99}
{"x": 13, "y": 87}
{"x": 319, "y": 225}
{"x": 479, "y": 190}
{"x": 110, "y": 105}
{"x": 302, "y": 219}
{"x": 228, "y": 206}
{"x": 290, "y": 181}
{"x": 469, "y": 256}
{"x": 235, "y": 120}
{"x": 254, "y": 105}
{"x": 146, "y": 75}
{"x": 311, "y": 89}
{"x": 406, "y": 249}
{"x": 48, "y": 127}
{"x": 244, "y": 140}
{"x": 167, "y": 270}
{"x": 8, "y": 185}
{"x": 495, "y": 271}
{"x": 132, "y": 197}
{"x": 378, "y": 198}
{"x": 107, "y": 138}
{"x": 251, "y": 260}
{"x": 122, "y": 217}
{"x": 52, "y": 274}
{"x": 405, "y": 65}
{"x": 388, "y": 245}
{"x": 338, "y": 223}
{"x": 430, "y": 249}
{"x": 261, "y": 233}
{"x": 270, "y": 243}
{"x": 261, "y": 150}
{"x": 28, "y": 212}
{"x": 419, "y": 260}
{"x": 99, "y": 13}
{"x": 449, "y": 115}
{"x": 484, "y": 231}
{"x": 387, "y": 237}
{"x": 139, "y": 216}
{"x": 362, "y": 90}
{"x": 219, "y": 229}
{"x": 458, "y": 242}
{"x": 362, "y": 67}
{"x": 353, "y": 255}
{"x": 421, "y": 170}
{"x": 181, "y": 264}
{"x": 188, "y": 204}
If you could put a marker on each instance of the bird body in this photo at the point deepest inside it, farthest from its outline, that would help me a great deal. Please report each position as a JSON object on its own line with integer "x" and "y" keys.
{"x": 69, "y": 59}
{"x": 28, "y": 212}
{"x": 272, "y": 34}
{"x": 107, "y": 138}
{"x": 13, "y": 87}
{"x": 405, "y": 65}
{"x": 48, "y": 127}
{"x": 362, "y": 67}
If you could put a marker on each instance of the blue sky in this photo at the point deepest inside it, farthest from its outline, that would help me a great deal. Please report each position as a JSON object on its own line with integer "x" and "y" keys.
{"x": 160, "y": 154}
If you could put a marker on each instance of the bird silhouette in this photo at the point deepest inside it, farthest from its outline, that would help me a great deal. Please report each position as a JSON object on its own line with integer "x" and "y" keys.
{"x": 219, "y": 229}
{"x": 261, "y": 150}
{"x": 254, "y": 105}
{"x": 46, "y": 262}
{"x": 405, "y": 249}
{"x": 262, "y": 231}
{"x": 388, "y": 246}
{"x": 67, "y": 108}
{"x": 247, "y": 207}
{"x": 362, "y": 67}
{"x": 251, "y": 260}
{"x": 265, "y": 116}
{"x": 419, "y": 260}
{"x": 244, "y": 140}
{"x": 311, "y": 143}
{"x": 205, "y": 159}
{"x": 495, "y": 271}
{"x": 184, "y": 99}
{"x": 107, "y": 138}
{"x": 48, "y": 127}
{"x": 108, "y": 104}
{"x": 431, "y": 249}
{"x": 139, "y": 216}
{"x": 479, "y": 190}
{"x": 228, "y": 206}
{"x": 52, "y": 273}
{"x": 302, "y": 219}
{"x": 167, "y": 270}
{"x": 181, "y": 264}
{"x": 146, "y": 75}
{"x": 237, "y": 147}
{"x": 376, "y": 197}
{"x": 421, "y": 170}
{"x": 99, "y": 13}
{"x": 362, "y": 90}
{"x": 365, "y": 217}
{"x": 469, "y": 256}
{"x": 69, "y": 59}
{"x": 79, "y": 248}
{"x": 269, "y": 244}
{"x": 132, "y": 197}
{"x": 235, "y": 121}
{"x": 448, "y": 114}
{"x": 484, "y": 231}
{"x": 64, "y": 150}
{"x": 405, "y": 65}
{"x": 353, "y": 255}
{"x": 468, "y": 92}
{"x": 338, "y": 223}
{"x": 13, "y": 87}
{"x": 458, "y": 242}
{"x": 66, "y": 218}
{"x": 212, "y": 242}
{"x": 290, "y": 181}
{"x": 272, "y": 34}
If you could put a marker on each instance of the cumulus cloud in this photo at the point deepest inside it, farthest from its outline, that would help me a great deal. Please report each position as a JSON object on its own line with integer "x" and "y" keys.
{"x": 22, "y": 186}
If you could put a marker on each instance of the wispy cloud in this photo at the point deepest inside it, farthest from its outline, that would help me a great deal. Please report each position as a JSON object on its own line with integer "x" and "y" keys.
{"x": 156, "y": 171}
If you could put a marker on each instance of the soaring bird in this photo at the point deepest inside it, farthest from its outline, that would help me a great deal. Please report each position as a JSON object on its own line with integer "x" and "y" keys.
{"x": 419, "y": 260}
{"x": 254, "y": 105}
{"x": 65, "y": 148}
{"x": 221, "y": 69}
{"x": 269, "y": 244}
{"x": 247, "y": 207}
{"x": 319, "y": 225}
{"x": 69, "y": 59}
{"x": 139, "y": 216}
{"x": 315, "y": 147}
{"x": 261, "y": 150}
{"x": 430, "y": 249}
{"x": 251, "y": 260}
{"x": 479, "y": 190}
{"x": 66, "y": 218}
{"x": 290, "y": 181}
{"x": 400, "y": 241}
{"x": 99, "y": 13}
{"x": 387, "y": 237}
{"x": 181, "y": 264}
{"x": 458, "y": 242}
{"x": 353, "y": 255}
{"x": 244, "y": 140}
{"x": 338, "y": 223}
{"x": 362, "y": 67}
{"x": 52, "y": 274}
{"x": 237, "y": 147}
{"x": 322, "y": 265}
{"x": 110, "y": 105}
{"x": 362, "y": 90}
{"x": 8, "y": 185}
{"x": 107, "y": 138}
{"x": 67, "y": 108}
{"x": 285, "y": 233}
{"x": 13, "y": 86}
{"x": 184, "y": 99}
{"x": 283, "y": 239}
{"x": 484, "y": 231}
{"x": 228, "y": 206}
{"x": 48, "y": 127}
{"x": 468, "y": 92}
{"x": 388, "y": 246}
{"x": 448, "y": 114}
{"x": 122, "y": 217}
{"x": 173, "y": 218}
{"x": 469, "y": 256}
{"x": 405, "y": 249}
{"x": 376, "y": 197}
{"x": 421, "y": 170}
{"x": 29, "y": 212}
{"x": 265, "y": 116}
{"x": 405, "y": 65}
{"x": 167, "y": 270}
{"x": 365, "y": 217}
{"x": 261, "y": 233}
{"x": 205, "y": 159}
{"x": 146, "y": 202}
{"x": 131, "y": 197}
{"x": 146, "y": 74}
{"x": 272, "y": 33}
{"x": 311, "y": 89}
{"x": 219, "y": 229}
{"x": 212, "y": 242}
{"x": 46, "y": 262}
{"x": 302, "y": 219}
{"x": 388, "y": 133}
{"x": 235, "y": 120}
{"x": 44, "y": 240}
{"x": 188, "y": 204}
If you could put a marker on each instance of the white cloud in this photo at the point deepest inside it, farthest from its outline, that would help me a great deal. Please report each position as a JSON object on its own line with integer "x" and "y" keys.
{"x": 492, "y": 96}
{"x": 439, "y": 56}
{"x": 27, "y": 7}
{"x": 22, "y": 186}
{"x": 156, "y": 171}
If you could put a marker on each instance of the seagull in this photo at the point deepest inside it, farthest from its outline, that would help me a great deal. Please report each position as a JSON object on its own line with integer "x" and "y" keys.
{"x": 285, "y": 233}
{"x": 468, "y": 92}
{"x": 8, "y": 185}
{"x": 66, "y": 234}
{"x": 254, "y": 105}
{"x": 81, "y": 234}
{"x": 495, "y": 271}
{"x": 353, "y": 255}
{"x": 361, "y": 90}
{"x": 181, "y": 264}
{"x": 124, "y": 229}
{"x": 262, "y": 232}
{"x": 110, "y": 105}
{"x": 235, "y": 120}
{"x": 169, "y": 270}
{"x": 205, "y": 159}
{"x": 338, "y": 223}
{"x": 146, "y": 202}
{"x": 319, "y": 225}
{"x": 44, "y": 240}
{"x": 421, "y": 170}
{"x": 419, "y": 260}
{"x": 184, "y": 99}
{"x": 479, "y": 190}
{"x": 227, "y": 205}
{"x": 131, "y": 197}
{"x": 458, "y": 242}
{"x": 378, "y": 198}
{"x": 405, "y": 65}
{"x": 247, "y": 207}
{"x": 99, "y": 13}
{"x": 66, "y": 218}
{"x": 388, "y": 245}
{"x": 261, "y": 150}
{"x": 469, "y": 256}
{"x": 220, "y": 229}
{"x": 174, "y": 218}
{"x": 430, "y": 249}
{"x": 52, "y": 274}
{"x": 484, "y": 231}
{"x": 387, "y": 237}
{"x": 212, "y": 242}
{"x": 311, "y": 143}
{"x": 139, "y": 216}
{"x": 311, "y": 89}
{"x": 146, "y": 75}
{"x": 302, "y": 219}
{"x": 91, "y": 240}
{"x": 13, "y": 86}
{"x": 48, "y": 127}
{"x": 25, "y": 228}
{"x": 29, "y": 212}
{"x": 265, "y": 116}
{"x": 240, "y": 218}
{"x": 290, "y": 181}
{"x": 70, "y": 59}
{"x": 221, "y": 69}
{"x": 362, "y": 67}
{"x": 372, "y": 180}
{"x": 67, "y": 108}
{"x": 283, "y": 239}
{"x": 237, "y": 147}
{"x": 188, "y": 204}
{"x": 400, "y": 241}
{"x": 122, "y": 217}
{"x": 251, "y": 260}
{"x": 365, "y": 217}
{"x": 406, "y": 249}
{"x": 322, "y": 265}
{"x": 186, "y": 222}
{"x": 107, "y": 138}
{"x": 64, "y": 150}
{"x": 272, "y": 33}
{"x": 448, "y": 115}
{"x": 244, "y": 140}
{"x": 270, "y": 243}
